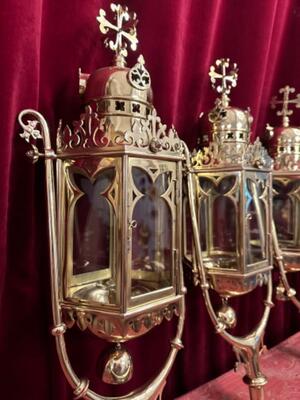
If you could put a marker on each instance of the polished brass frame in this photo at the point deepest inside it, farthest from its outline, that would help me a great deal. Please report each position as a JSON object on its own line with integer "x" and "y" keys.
{"x": 249, "y": 347}
{"x": 155, "y": 312}
{"x": 286, "y": 153}
{"x": 118, "y": 129}
{"x": 230, "y": 153}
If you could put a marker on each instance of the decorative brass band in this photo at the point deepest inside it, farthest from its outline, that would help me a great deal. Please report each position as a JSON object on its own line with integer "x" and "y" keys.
{"x": 120, "y": 106}
{"x": 226, "y": 154}
{"x": 96, "y": 132}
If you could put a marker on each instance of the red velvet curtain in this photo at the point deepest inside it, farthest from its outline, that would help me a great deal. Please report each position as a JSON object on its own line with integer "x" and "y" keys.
{"x": 42, "y": 44}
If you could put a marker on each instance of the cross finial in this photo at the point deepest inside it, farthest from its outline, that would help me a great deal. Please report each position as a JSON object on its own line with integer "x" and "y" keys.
{"x": 125, "y": 28}
{"x": 228, "y": 79}
{"x": 285, "y": 112}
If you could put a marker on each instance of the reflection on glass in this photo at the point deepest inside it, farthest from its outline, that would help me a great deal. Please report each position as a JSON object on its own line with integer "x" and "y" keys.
{"x": 152, "y": 235}
{"x": 283, "y": 217}
{"x": 93, "y": 236}
{"x": 255, "y": 222}
{"x": 203, "y": 224}
{"x": 286, "y": 208}
{"x": 218, "y": 218}
{"x": 224, "y": 225}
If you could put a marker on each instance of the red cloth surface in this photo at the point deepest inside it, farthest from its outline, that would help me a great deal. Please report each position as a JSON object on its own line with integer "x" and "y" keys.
{"x": 42, "y": 44}
{"x": 281, "y": 366}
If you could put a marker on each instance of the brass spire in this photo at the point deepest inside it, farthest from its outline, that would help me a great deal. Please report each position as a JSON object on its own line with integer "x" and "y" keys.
{"x": 285, "y": 112}
{"x": 125, "y": 28}
{"x": 228, "y": 79}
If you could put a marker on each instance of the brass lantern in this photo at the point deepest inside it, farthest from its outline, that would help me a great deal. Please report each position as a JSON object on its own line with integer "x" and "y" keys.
{"x": 285, "y": 148}
{"x": 230, "y": 200}
{"x": 114, "y": 204}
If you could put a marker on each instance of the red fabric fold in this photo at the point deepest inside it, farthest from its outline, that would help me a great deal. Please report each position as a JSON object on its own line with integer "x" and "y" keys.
{"x": 42, "y": 45}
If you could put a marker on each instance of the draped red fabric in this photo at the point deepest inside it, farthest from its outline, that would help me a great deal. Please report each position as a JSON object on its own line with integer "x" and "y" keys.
{"x": 42, "y": 45}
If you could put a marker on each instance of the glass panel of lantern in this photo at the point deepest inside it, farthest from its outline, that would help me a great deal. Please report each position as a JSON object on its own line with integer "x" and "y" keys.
{"x": 285, "y": 149}
{"x": 152, "y": 237}
{"x": 89, "y": 200}
{"x": 233, "y": 182}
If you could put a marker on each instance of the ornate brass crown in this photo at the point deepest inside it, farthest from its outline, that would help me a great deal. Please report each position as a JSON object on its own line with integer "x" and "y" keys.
{"x": 285, "y": 145}
{"x": 119, "y": 113}
{"x": 230, "y": 126}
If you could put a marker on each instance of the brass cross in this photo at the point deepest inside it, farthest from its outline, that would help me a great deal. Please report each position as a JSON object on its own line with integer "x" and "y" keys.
{"x": 228, "y": 80}
{"x": 125, "y": 27}
{"x": 285, "y": 112}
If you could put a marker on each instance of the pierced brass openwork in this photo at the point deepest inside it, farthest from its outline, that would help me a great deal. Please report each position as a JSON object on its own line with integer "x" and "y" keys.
{"x": 114, "y": 188}
{"x": 285, "y": 148}
{"x": 229, "y": 193}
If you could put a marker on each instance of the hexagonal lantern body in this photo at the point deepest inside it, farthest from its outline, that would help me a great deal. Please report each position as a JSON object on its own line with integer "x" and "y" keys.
{"x": 119, "y": 188}
{"x": 233, "y": 205}
{"x": 119, "y": 212}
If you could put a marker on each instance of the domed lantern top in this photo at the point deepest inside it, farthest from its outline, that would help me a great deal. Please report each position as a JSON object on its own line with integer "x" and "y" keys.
{"x": 234, "y": 192}
{"x": 119, "y": 112}
{"x": 227, "y": 123}
{"x": 229, "y": 127}
{"x": 119, "y": 92}
{"x": 224, "y": 122}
